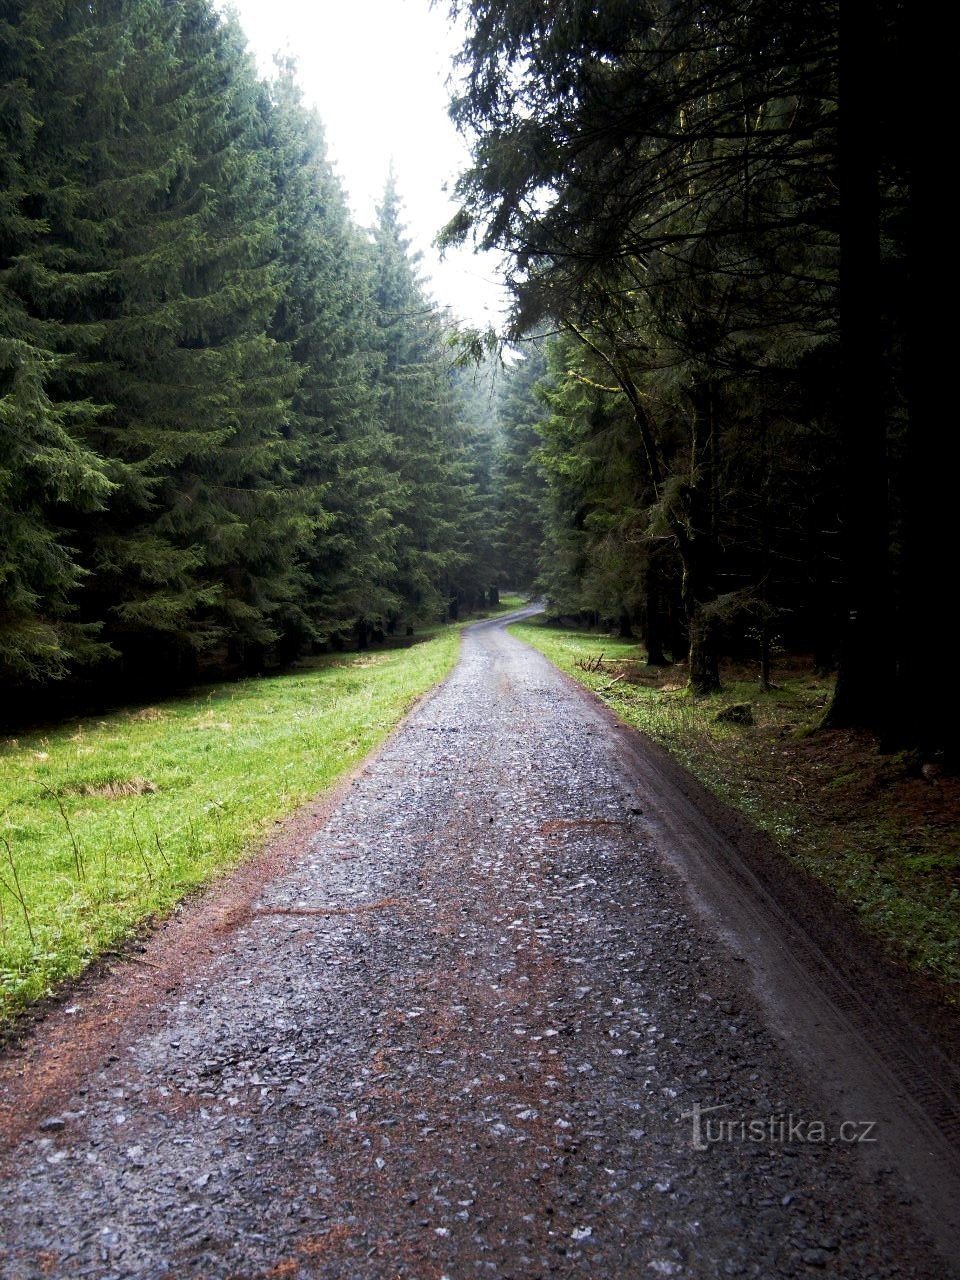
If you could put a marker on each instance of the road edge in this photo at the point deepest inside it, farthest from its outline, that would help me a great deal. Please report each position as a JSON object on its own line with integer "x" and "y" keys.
{"x": 880, "y": 1053}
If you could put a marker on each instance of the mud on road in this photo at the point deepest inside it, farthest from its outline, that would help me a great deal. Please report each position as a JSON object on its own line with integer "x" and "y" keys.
{"x": 459, "y": 1021}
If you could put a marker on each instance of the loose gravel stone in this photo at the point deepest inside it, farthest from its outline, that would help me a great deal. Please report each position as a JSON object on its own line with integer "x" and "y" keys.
{"x": 468, "y": 1035}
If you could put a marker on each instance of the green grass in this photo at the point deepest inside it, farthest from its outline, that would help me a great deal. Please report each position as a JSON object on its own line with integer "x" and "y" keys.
{"x": 662, "y": 707}
{"x": 83, "y": 865}
{"x": 864, "y": 824}
{"x": 509, "y": 602}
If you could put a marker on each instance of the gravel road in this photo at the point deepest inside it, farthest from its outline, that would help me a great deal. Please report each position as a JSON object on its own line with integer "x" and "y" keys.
{"x": 457, "y": 1028}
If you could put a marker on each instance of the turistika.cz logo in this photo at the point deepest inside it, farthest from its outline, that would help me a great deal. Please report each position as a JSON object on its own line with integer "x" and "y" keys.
{"x": 777, "y": 1130}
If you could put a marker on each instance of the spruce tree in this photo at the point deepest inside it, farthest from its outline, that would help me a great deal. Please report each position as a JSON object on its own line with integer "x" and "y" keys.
{"x": 429, "y": 479}
{"x": 47, "y": 476}
{"x": 519, "y": 480}
{"x": 326, "y": 318}
{"x": 155, "y": 277}
{"x": 478, "y": 580}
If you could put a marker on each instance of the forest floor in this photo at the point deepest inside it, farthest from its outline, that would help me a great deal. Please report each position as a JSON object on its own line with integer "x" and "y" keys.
{"x": 882, "y": 836}
{"x": 467, "y": 1017}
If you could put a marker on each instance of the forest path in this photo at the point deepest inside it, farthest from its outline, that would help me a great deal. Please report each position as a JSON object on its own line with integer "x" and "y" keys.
{"x": 457, "y": 1028}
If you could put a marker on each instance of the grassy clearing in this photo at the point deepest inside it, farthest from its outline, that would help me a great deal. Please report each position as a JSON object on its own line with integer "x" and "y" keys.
{"x": 867, "y": 825}
{"x": 509, "y": 601}
{"x": 107, "y": 822}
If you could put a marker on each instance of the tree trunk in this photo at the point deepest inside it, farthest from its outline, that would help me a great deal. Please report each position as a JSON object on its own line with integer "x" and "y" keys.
{"x": 254, "y": 659}
{"x": 653, "y": 628}
{"x": 765, "y": 684}
{"x": 928, "y": 704}
{"x": 866, "y": 675}
{"x": 697, "y": 549}
{"x": 824, "y": 615}
{"x": 624, "y": 626}
{"x": 926, "y": 710}
{"x": 704, "y": 665}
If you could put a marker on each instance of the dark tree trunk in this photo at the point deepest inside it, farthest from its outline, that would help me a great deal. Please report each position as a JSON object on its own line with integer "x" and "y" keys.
{"x": 765, "y": 683}
{"x": 697, "y": 550}
{"x": 624, "y": 625}
{"x": 824, "y": 621}
{"x": 677, "y": 640}
{"x": 704, "y": 664}
{"x": 866, "y": 675}
{"x": 653, "y": 628}
{"x": 927, "y": 711}
{"x": 254, "y": 660}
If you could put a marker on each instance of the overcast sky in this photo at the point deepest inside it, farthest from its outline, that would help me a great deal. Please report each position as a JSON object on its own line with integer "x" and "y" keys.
{"x": 376, "y": 71}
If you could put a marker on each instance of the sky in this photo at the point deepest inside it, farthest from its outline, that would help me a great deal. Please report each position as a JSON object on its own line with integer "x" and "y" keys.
{"x": 376, "y": 72}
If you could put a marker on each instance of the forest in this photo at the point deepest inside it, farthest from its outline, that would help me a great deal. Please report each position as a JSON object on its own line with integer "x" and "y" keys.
{"x": 716, "y": 438}
{"x": 475, "y": 799}
{"x": 232, "y": 428}
{"x": 235, "y": 429}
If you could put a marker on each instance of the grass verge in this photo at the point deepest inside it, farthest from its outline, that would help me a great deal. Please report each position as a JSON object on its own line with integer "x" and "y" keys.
{"x": 868, "y": 825}
{"x": 105, "y": 823}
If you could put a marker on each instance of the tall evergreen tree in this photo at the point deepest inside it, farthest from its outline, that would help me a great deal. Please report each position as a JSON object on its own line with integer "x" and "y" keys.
{"x": 154, "y": 276}
{"x": 326, "y": 318}
{"x": 660, "y": 178}
{"x": 47, "y": 476}
{"x": 418, "y": 406}
{"x": 479, "y": 577}
{"x": 519, "y": 483}
{"x": 228, "y": 423}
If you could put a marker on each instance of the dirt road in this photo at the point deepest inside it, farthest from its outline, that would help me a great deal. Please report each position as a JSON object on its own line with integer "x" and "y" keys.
{"x": 467, "y": 1020}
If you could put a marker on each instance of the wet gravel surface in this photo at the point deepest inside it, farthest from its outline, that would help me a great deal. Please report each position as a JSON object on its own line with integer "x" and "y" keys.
{"x": 461, "y": 1038}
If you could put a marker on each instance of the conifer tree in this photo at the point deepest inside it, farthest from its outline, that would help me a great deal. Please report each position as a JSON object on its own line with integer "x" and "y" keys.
{"x": 155, "y": 276}
{"x": 228, "y": 424}
{"x": 519, "y": 481}
{"x": 663, "y": 182}
{"x": 47, "y": 476}
{"x": 418, "y": 406}
{"x": 326, "y": 318}
{"x": 478, "y": 580}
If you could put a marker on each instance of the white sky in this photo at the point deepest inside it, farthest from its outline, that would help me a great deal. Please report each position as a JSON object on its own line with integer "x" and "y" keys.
{"x": 376, "y": 72}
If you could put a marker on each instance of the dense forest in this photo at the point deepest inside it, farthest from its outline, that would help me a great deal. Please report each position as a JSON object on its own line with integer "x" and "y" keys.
{"x": 231, "y": 424}
{"x": 234, "y": 428}
{"x": 731, "y": 443}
